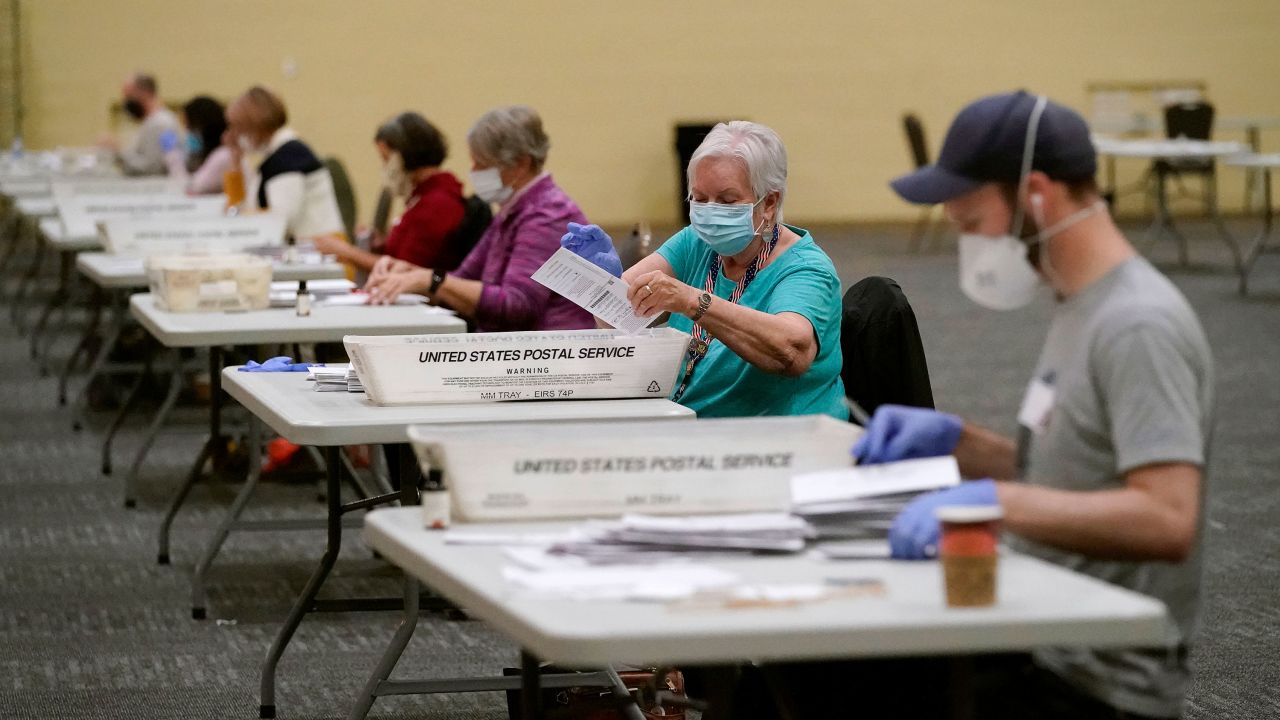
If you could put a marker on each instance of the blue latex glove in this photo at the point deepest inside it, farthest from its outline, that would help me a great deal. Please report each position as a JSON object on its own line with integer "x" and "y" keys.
{"x": 914, "y": 534}
{"x": 168, "y": 141}
{"x": 281, "y": 363}
{"x": 592, "y": 244}
{"x": 898, "y": 432}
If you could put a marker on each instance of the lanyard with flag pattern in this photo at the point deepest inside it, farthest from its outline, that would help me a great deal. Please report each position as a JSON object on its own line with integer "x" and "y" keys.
{"x": 701, "y": 338}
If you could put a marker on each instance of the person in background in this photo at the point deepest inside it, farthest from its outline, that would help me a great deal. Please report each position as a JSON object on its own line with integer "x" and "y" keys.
{"x": 288, "y": 179}
{"x": 208, "y": 160}
{"x": 493, "y": 286}
{"x": 761, "y": 299}
{"x": 159, "y": 134}
{"x": 412, "y": 150}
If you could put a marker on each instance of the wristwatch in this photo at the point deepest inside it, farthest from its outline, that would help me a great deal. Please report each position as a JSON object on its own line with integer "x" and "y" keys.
{"x": 437, "y": 279}
{"x": 704, "y": 304}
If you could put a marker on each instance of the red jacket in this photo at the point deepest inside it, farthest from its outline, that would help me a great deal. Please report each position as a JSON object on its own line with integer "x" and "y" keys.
{"x": 432, "y": 213}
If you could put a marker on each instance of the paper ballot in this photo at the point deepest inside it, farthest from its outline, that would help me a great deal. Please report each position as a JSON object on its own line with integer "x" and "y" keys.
{"x": 858, "y": 488}
{"x": 591, "y": 288}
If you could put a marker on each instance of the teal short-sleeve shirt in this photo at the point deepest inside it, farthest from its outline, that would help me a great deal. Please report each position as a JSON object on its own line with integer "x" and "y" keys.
{"x": 801, "y": 280}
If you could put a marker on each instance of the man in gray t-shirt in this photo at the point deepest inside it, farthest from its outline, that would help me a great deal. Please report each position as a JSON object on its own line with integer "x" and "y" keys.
{"x": 1107, "y": 477}
{"x": 158, "y": 147}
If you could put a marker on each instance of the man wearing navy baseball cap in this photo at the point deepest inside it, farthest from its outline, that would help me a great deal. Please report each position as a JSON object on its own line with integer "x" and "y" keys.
{"x": 1107, "y": 475}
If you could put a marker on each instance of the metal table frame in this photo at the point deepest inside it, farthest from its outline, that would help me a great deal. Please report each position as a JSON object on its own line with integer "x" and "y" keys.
{"x": 1260, "y": 244}
{"x": 1162, "y": 222}
{"x": 1041, "y": 604}
{"x": 344, "y": 431}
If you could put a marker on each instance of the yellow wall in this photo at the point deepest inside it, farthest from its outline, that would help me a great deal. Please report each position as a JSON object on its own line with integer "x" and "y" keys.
{"x": 610, "y": 78}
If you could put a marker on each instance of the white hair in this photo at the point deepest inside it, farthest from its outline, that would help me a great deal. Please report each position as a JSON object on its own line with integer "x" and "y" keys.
{"x": 759, "y": 150}
{"x": 506, "y": 134}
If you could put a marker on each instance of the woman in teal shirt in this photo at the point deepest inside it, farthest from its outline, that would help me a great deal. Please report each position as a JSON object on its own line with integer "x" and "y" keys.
{"x": 760, "y": 298}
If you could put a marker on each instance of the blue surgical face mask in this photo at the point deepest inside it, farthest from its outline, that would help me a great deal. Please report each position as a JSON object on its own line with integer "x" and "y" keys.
{"x": 727, "y": 229}
{"x": 194, "y": 144}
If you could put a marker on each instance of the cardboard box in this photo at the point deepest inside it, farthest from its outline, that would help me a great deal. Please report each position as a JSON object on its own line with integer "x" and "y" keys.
{"x": 537, "y": 365}
{"x": 498, "y": 472}
{"x": 192, "y": 236}
{"x": 205, "y": 283}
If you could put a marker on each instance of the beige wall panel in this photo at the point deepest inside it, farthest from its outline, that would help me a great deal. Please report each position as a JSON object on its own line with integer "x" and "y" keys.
{"x": 610, "y": 78}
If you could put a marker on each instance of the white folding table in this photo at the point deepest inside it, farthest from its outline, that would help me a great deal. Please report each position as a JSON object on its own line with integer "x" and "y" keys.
{"x": 290, "y": 406}
{"x": 1173, "y": 150}
{"x": 1039, "y": 604}
{"x": 214, "y": 330}
{"x": 1252, "y": 126}
{"x": 1263, "y": 164}
{"x": 114, "y": 278}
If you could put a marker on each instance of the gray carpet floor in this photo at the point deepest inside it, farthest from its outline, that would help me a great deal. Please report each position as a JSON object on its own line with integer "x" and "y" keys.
{"x": 91, "y": 627}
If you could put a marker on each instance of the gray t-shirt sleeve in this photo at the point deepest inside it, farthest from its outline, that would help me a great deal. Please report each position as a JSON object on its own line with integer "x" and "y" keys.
{"x": 1151, "y": 389}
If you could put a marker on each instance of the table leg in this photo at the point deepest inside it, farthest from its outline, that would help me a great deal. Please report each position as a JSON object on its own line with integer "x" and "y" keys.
{"x": 131, "y": 398}
{"x": 390, "y": 656}
{"x": 162, "y": 415}
{"x": 530, "y": 686}
{"x": 214, "y": 450}
{"x": 409, "y": 621}
{"x": 12, "y": 237}
{"x": 115, "y": 326}
{"x": 254, "y": 440}
{"x": 90, "y": 330}
{"x": 1211, "y": 199}
{"x": 1260, "y": 242}
{"x": 305, "y": 601}
{"x": 1253, "y": 138}
{"x": 62, "y": 323}
{"x": 55, "y": 301}
{"x": 1163, "y": 223}
{"x": 18, "y": 309}
{"x": 629, "y": 708}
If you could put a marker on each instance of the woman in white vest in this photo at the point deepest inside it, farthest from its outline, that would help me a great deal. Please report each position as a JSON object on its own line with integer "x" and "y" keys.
{"x": 285, "y": 176}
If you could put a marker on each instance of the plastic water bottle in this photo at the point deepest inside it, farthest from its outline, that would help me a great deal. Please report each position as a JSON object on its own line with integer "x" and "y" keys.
{"x": 16, "y": 151}
{"x": 175, "y": 158}
{"x": 303, "y": 302}
{"x": 434, "y": 497}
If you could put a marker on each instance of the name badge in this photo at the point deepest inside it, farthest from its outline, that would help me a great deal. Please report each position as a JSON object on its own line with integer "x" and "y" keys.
{"x": 1037, "y": 406}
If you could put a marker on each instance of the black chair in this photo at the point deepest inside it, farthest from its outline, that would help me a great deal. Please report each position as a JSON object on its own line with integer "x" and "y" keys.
{"x": 475, "y": 220}
{"x": 1193, "y": 121}
{"x": 382, "y": 213}
{"x": 342, "y": 191}
{"x": 919, "y": 150}
{"x": 884, "y": 360}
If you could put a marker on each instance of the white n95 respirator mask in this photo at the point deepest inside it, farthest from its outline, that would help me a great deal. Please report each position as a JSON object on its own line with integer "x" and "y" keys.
{"x": 995, "y": 271}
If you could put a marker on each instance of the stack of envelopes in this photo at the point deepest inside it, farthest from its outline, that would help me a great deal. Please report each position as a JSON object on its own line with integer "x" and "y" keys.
{"x": 861, "y": 502}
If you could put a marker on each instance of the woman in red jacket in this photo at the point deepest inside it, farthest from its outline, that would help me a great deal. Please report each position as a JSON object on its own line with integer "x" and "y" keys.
{"x": 412, "y": 151}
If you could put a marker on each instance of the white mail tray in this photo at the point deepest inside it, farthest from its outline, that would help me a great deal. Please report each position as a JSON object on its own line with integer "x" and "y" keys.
{"x": 573, "y": 470}
{"x": 204, "y": 283}
{"x": 536, "y": 365}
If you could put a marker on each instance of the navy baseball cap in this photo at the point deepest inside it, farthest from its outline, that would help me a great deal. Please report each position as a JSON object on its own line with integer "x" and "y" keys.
{"x": 985, "y": 144}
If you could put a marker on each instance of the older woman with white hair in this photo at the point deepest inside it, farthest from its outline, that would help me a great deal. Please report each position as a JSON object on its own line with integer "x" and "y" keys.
{"x": 493, "y": 287}
{"x": 760, "y": 298}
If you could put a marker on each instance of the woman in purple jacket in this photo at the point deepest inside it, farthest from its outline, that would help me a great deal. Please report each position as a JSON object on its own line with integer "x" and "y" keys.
{"x": 492, "y": 287}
